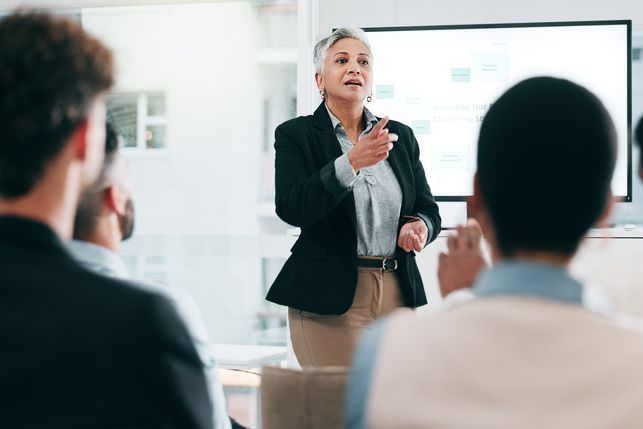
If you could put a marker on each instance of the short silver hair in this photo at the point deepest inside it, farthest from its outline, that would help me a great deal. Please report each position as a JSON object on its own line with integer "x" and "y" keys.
{"x": 321, "y": 48}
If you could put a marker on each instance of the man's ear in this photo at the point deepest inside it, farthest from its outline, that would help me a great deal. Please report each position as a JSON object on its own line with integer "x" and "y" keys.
{"x": 474, "y": 202}
{"x": 607, "y": 212}
{"x": 80, "y": 140}
{"x": 116, "y": 199}
{"x": 478, "y": 210}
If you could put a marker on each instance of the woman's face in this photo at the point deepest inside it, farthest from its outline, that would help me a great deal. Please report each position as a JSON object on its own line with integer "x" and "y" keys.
{"x": 346, "y": 75}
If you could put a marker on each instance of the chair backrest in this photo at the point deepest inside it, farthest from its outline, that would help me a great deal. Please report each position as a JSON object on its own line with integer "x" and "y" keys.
{"x": 312, "y": 398}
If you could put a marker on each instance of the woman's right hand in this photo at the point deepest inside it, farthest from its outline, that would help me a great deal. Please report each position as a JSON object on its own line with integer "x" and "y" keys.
{"x": 373, "y": 147}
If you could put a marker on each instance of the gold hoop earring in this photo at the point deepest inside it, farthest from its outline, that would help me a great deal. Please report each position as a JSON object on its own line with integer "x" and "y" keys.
{"x": 369, "y": 98}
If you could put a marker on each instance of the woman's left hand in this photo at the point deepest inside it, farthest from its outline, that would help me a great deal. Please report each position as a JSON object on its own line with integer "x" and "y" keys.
{"x": 413, "y": 236}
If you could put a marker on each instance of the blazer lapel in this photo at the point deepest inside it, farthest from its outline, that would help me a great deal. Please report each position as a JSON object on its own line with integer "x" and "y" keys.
{"x": 331, "y": 150}
{"x": 396, "y": 161}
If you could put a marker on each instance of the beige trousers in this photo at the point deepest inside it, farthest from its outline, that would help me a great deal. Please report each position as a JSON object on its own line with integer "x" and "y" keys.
{"x": 321, "y": 340}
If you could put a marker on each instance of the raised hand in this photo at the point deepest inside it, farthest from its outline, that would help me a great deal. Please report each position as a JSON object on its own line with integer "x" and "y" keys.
{"x": 373, "y": 147}
{"x": 458, "y": 268}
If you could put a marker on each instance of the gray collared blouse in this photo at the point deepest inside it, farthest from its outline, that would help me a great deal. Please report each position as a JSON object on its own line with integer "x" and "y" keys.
{"x": 377, "y": 193}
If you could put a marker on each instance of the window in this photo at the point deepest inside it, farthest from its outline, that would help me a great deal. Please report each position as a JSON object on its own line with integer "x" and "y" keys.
{"x": 140, "y": 118}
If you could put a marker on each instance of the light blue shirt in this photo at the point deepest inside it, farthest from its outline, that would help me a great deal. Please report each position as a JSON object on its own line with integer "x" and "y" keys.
{"x": 507, "y": 278}
{"x": 105, "y": 262}
{"x": 531, "y": 279}
{"x": 98, "y": 259}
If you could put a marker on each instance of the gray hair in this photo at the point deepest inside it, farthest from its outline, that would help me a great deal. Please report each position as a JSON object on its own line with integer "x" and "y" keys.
{"x": 321, "y": 48}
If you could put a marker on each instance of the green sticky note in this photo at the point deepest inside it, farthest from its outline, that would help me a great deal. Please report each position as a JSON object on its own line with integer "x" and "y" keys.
{"x": 460, "y": 75}
{"x": 385, "y": 91}
{"x": 422, "y": 126}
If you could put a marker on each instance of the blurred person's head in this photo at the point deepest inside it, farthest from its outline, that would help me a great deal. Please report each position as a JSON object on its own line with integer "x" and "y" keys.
{"x": 53, "y": 77}
{"x": 105, "y": 213}
{"x": 343, "y": 66}
{"x": 546, "y": 155}
{"x": 638, "y": 138}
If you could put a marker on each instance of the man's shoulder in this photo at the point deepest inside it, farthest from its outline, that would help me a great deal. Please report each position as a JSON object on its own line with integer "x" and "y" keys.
{"x": 483, "y": 316}
{"x": 118, "y": 288}
{"x": 104, "y": 297}
{"x": 135, "y": 297}
{"x": 181, "y": 300}
{"x": 621, "y": 327}
{"x": 60, "y": 274}
{"x": 455, "y": 319}
{"x": 92, "y": 310}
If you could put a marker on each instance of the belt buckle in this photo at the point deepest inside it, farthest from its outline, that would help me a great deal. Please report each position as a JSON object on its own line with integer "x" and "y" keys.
{"x": 384, "y": 261}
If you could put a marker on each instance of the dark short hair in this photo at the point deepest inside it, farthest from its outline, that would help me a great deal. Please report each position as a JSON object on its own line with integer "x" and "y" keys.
{"x": 91, "y": 200}
{"x": 50, "y": 73}
{"x": 546, "y": 155}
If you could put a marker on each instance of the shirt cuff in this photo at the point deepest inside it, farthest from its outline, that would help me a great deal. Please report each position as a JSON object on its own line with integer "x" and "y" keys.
{"x": 429, "y": 226}
{"x": 344, "y": 172}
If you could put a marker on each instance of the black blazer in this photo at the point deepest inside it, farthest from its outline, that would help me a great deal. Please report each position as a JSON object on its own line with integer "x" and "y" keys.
{"x": 78, "y": 350}
{"x": 321, "y": 274}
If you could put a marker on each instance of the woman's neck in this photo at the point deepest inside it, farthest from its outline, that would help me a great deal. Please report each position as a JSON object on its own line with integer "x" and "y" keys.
{"x": 349, "y": 114}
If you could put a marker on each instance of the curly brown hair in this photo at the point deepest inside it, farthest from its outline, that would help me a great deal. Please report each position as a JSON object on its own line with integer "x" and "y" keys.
{"x": 51, "y": 71}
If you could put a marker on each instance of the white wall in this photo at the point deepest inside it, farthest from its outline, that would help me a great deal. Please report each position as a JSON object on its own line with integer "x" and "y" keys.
{"x": 213, "y": 93}
{"x": 197, "y": 200}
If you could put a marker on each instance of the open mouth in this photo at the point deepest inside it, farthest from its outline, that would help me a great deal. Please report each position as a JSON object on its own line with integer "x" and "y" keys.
{"x": 353, "y": 82}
